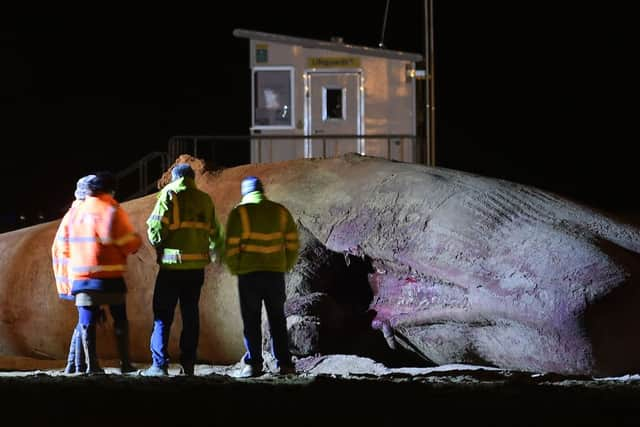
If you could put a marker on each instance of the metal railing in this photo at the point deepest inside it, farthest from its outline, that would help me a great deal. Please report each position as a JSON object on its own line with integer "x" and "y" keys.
{"x": 208, "y": 147}
{"x": 147, "y": 170}
{"x": 140, "y": 178}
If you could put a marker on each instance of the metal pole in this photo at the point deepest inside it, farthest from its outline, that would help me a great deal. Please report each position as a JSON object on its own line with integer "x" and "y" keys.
{"x": 429, "y": 118}
{"x": 384, "y": 25}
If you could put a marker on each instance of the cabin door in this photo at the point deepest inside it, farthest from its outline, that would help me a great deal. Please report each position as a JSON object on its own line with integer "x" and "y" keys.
{"x": 333, "y": 107}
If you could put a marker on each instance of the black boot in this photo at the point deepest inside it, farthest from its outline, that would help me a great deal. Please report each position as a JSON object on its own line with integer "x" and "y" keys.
{"x": 88, "y": 334}
{"x": 122, "y": 342}
{"x": 71, "y": 359}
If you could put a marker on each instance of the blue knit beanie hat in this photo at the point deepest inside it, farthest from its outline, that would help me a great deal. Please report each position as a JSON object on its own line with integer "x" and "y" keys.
{"x": 250, "y": 184}
{"x": 182, "y": 170}
{"x": 82, "y": 187}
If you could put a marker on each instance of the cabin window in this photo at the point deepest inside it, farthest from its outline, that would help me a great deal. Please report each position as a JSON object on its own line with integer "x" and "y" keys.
{"x": 333, "y": 103}
{"x": 273, "y": 97}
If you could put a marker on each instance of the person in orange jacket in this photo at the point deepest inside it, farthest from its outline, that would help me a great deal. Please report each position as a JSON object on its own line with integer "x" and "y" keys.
{"x": 75, "y": 359}
{"x": 100, "y": 237}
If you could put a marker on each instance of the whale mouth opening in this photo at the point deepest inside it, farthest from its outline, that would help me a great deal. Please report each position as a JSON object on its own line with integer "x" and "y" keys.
{"x": 331, "y": 302}
{"x": 353, "y": 292}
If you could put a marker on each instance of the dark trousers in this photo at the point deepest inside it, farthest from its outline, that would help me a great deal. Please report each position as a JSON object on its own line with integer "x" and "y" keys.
{"x": 173, "y": 286}
{"x": 88, "y": 315}
{"x": 253, "y": 289}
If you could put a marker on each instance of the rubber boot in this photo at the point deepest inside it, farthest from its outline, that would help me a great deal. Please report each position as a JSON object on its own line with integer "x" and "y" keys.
{"x": 81, "y": 364}
{"x": 122, "y": 342}
{"x": 88, "y": 334}
{"x": 71, "y": 359}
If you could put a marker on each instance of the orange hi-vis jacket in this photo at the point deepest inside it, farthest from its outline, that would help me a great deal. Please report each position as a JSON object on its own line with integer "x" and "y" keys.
{"x": 60, "y": 254}
{"x": 100, "y": 236}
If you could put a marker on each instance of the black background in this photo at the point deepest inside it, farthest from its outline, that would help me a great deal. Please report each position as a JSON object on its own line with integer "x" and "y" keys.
{"x": 534, "y": 93}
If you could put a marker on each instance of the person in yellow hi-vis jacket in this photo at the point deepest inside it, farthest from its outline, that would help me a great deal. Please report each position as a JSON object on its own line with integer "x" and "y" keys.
{"x": 261, "y": 245}
{"x": 187, "y": 236}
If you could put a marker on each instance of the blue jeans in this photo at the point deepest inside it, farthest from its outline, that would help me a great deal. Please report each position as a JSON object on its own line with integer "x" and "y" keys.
{"x": 173, "y": 286}
{"x": 253, "y": 289}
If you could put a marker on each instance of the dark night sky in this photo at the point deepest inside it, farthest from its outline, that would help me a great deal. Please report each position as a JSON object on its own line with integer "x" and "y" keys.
{"x": 533, "y": 93}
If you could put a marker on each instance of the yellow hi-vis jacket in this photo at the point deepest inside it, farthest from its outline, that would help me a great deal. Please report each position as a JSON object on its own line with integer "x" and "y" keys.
{"x": 183, "y": 227}
{"x": 261, "y": 236}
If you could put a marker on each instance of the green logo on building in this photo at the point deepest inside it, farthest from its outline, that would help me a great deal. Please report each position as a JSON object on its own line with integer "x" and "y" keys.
{"x": 262, "y": 53}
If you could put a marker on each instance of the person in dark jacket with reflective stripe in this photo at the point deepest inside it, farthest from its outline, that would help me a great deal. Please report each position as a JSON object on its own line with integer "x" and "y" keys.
{"x": 261, "y": 245}
{"x": 186, "y": 234}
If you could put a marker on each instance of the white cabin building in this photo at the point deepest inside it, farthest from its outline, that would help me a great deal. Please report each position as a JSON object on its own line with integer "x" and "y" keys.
{"x": 313, "y": 98}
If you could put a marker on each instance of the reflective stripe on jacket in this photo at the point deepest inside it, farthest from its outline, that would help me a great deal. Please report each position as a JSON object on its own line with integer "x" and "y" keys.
{"x": 183, "y": 227}
{"x": 99, "y": 238}
{"x": 261, "y": 236}
{"x": 60, "y": 254}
